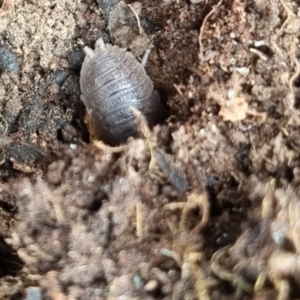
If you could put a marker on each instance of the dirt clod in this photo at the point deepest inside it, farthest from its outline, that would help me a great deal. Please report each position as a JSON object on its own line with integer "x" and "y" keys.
{"x": 204, "y": 205}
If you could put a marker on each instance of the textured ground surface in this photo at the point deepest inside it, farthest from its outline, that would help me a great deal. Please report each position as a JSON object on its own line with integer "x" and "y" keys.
{"x": 204, "y": 206}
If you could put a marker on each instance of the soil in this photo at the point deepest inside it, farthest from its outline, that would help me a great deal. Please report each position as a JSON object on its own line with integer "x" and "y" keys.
{"x": 205, "y": 205}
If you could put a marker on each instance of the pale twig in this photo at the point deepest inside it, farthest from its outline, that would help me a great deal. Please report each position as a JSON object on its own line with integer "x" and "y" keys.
{"x": 177, "y": 87}
{"x": 100, "y": 145}
{"x": 202, "y": 28}
{"x": 137, "y": 18}
{"x": 289, "y": 12}
{"x": 259, "y": 54}
{"x": 201, "y": 284}
{"x": 144, "y": 129}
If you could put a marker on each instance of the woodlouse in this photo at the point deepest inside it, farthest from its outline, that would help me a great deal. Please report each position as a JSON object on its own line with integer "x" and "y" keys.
{"x": 112, "y": 81}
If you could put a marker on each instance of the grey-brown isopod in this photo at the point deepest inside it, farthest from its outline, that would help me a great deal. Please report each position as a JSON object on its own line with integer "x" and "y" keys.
{"x": 112, "y": 81}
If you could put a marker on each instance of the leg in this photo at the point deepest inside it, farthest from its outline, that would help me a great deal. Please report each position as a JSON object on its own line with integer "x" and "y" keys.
{"x": 88, "y": 51}
{"x": 146, "y": 56}
{"x": 100, "y": 44}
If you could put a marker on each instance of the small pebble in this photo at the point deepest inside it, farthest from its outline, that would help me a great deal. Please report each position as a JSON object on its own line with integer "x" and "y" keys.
{"x": 151, "y": 286}
{"x": 137, "y": 280}
{"x": 60, "y": 76}
{"x": 34, "y": 293}
{"x": 8, "y": 60}
{"x": 76, "y": 59}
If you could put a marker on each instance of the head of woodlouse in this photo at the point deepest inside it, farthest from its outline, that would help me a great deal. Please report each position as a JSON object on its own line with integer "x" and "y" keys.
{"x": 112, "y": 81}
